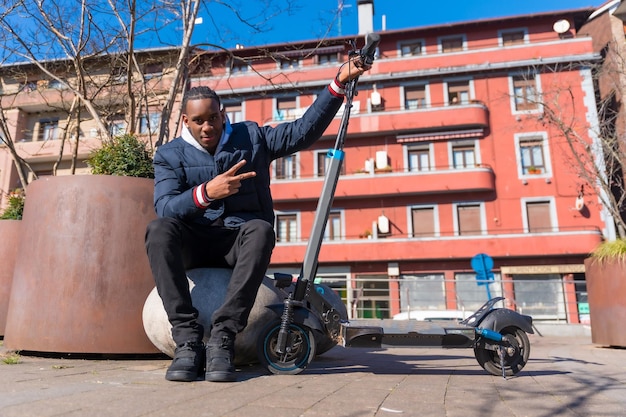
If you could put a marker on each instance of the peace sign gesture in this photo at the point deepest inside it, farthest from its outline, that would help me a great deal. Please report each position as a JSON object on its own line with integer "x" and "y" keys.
{"x": 227, "y": 183}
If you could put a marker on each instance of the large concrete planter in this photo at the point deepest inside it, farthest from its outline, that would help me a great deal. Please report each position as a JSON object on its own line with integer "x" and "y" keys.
{"x": 10, "y": 232}
{"x": 82, "y": 275}
{"x": 606, "y": 290}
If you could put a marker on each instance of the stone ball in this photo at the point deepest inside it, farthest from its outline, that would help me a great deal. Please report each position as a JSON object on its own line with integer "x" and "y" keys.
{"x": 208, "y": 290}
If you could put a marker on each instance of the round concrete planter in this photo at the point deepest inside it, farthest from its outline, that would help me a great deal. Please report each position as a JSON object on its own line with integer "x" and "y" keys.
{"x": 82, "y": 275}
{"x": 10, "y": 230}
{"x": 606, "y": 292}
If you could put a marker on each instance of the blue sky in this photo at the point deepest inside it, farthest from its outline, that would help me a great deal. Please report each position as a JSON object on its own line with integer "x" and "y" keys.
{"x": 315, "y": 19}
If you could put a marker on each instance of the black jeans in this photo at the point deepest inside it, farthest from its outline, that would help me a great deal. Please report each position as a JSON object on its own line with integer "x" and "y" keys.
{"x": 175, "y": 246}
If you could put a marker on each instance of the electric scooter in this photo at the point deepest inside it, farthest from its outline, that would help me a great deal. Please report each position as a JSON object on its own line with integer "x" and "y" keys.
{"x": 310, "y": 316}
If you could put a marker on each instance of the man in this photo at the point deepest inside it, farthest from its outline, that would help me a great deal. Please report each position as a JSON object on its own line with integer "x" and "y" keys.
{"x": 212, "y": 198}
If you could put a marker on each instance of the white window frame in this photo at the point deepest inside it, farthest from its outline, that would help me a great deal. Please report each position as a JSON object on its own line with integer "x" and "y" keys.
{"x": 519, "y": 137}
{"x": 467, "y": 142}
{"x": 553, "y": 215}
{"x": 470, "y": 82}
{"x": 413, "y": 85}
{"x": 440, "y": 40}
{"x": 538, "y": 92}
{"x": 431, "y": 155}
{"x": 483, "y": 218}
{"x": 298, "y": 226}
{"x": 410, "y": 42}
{"x": 409, "y": 216}
{"x": 512, "y": 30}
{"x": 296, "y": 160}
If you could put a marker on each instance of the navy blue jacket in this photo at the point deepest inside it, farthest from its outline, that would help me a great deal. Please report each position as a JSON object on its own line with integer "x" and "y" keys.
{"x": 180, "y": 168}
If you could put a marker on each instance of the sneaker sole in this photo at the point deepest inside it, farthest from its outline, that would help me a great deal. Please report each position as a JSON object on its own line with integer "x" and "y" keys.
{"x": 181, "y": 376}
{"x": 221, "y": 376}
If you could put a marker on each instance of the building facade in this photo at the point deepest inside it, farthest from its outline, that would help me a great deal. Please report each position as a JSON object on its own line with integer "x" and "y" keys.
{"x": 454, "y": 187}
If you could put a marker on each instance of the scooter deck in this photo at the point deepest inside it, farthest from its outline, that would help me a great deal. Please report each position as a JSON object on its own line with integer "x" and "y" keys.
{"x": 376, "y": 333}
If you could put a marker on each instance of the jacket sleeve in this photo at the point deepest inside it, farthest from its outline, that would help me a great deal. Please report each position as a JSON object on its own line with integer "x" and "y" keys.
{"x": 287, "y": 138}
{"x": 172, "y": 197}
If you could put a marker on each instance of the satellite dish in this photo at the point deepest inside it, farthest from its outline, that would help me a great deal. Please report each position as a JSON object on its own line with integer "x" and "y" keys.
{"x": 561, "y": 26}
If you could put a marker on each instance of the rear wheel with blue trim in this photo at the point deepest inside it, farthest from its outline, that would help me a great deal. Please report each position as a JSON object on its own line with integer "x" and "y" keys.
{"x": 299, "y": 352}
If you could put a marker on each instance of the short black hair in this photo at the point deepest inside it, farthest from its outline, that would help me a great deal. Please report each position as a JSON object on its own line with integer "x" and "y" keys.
{"x": 199, "y": 93}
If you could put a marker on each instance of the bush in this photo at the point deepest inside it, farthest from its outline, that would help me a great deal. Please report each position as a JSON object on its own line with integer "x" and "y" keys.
{"x": 15, "y": 208}
{"x": 614, "y": 249}
{"x": 124, "y": 156}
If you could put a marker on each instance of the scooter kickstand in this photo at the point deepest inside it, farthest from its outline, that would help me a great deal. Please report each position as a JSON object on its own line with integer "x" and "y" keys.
{"x": 502, "y": 351}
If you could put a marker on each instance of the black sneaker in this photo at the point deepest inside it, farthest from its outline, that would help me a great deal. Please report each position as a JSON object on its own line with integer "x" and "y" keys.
{"x": 219, "y": 360}
{"x": 187, "y": 363}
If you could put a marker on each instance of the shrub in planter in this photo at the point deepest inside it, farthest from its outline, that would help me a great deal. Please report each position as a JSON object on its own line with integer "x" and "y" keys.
{"x": 123, "y": 155}
{"x": 15, "y": 208}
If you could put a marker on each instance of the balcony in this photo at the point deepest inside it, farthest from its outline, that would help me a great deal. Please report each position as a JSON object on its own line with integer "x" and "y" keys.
{"x": 467, "y": 180}
{"x": 497, "y": 244}
{"x": 434, "y": 118}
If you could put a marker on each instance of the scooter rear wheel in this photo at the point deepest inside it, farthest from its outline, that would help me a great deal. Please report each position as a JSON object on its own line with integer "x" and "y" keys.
{"x": 516, "y": 351}
{"x": 300, "y": 349}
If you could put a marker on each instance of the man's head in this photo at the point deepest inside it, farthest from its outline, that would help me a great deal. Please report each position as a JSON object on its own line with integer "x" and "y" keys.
{"x": 203, "y": 116}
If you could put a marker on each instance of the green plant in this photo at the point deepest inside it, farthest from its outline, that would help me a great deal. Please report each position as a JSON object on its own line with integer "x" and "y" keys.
{"x": 15, "y": 208}
{"x": 124, "y": 156}
{"x": 614, "y": 249}
{"x": 11, "y": 358}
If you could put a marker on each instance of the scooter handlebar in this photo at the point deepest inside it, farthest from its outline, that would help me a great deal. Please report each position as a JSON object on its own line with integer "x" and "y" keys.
{"x": 369, "y": 50}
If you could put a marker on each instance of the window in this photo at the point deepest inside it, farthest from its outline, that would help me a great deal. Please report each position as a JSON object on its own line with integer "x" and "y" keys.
{"x": 463, "y": 156}
{"x": 48, "y": 129}
{"x": 286, "y": 228}
{"x": 234, "y": 111}
{"x": 152, "y": 70}
{"x": 469, "y": 219}
{"x": 513, "y": 37}
{"x": 286, "y": 108}
{"x": 333, "y": 227}
{"x": 472, "y": 296}
{"x": 149, "y": 123}
{"x": 452, "y": 43}
{"x": 238, "y": 66}
{"x": 423, "y": 292}
{"x": 285, "y": 167}
{"x": 56, "y": 85}
{"x": 458, "y": 92}
{"x": 322, "y": 164}
{"x": 289, "y": 63}
{"x": 414, "y": 97}
{"x": 118, "y": 75}
{"x": 419, "y": 158}
{"x": 423, "y": 222}
{"x": 539, "y": 216}
{"x": 326, "y": 59}
{"x": 412, "y": 48}
{"x": 117, "y": 127}
{"x": 372, "y": 297}
{"x": 525, "y": 92}
{"x": 532, "y": 155}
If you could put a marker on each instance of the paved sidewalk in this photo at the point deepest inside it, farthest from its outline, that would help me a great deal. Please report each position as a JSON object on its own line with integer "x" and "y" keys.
{"x": 566, "y": 376}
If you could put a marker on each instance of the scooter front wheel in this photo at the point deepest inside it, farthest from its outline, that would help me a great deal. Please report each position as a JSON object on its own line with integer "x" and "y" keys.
{"x": 298, "y": 353}
{"x": 513, "y": 353}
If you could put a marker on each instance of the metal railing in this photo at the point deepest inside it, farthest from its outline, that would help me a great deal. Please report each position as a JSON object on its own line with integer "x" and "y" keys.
{"x": 549, "y": 298}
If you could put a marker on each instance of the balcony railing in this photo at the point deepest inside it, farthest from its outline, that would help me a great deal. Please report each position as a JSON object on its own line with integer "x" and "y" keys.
{"x": 479, "y": 178}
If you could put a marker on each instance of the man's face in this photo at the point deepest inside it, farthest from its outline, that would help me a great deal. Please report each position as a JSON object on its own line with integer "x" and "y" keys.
{"x": 205, "y": 121}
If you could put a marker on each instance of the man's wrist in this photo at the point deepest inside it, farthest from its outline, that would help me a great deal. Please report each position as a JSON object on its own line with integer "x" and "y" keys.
{"x": 201, "y": 196}
{"x": 337, "y": 87}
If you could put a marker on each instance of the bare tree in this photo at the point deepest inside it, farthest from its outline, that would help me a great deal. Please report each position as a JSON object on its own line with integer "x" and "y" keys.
{"x": 591, "y": 143}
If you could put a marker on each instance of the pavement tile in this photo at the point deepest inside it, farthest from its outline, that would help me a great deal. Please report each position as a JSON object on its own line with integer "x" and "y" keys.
{"x": 565, "y": 377}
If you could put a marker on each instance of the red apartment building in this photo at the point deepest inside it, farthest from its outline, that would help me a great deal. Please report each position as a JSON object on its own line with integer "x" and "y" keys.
{"x": 447, "y": 157}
